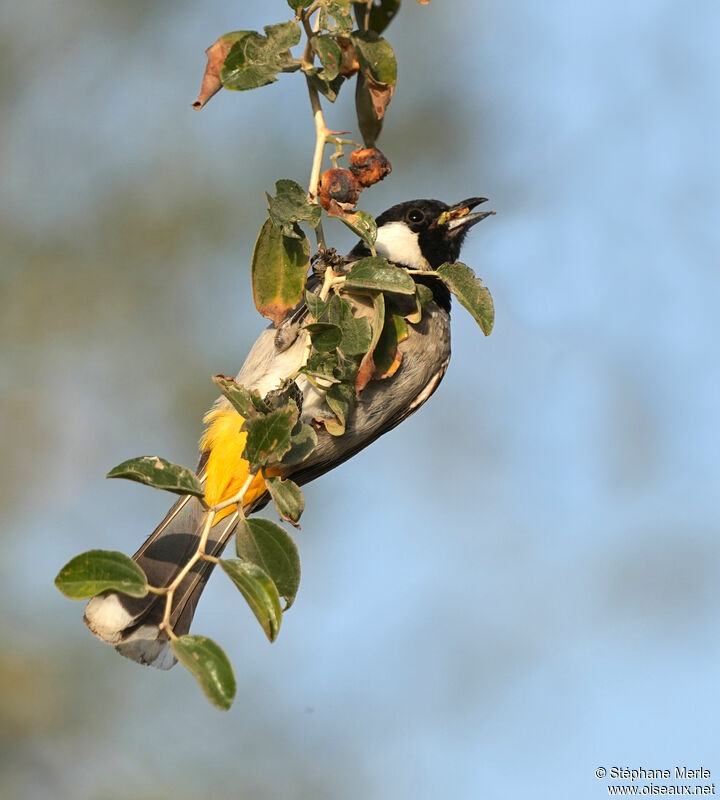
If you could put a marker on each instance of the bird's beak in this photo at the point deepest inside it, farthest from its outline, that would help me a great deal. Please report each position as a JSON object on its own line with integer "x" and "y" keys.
{"x": 458, "y": 217}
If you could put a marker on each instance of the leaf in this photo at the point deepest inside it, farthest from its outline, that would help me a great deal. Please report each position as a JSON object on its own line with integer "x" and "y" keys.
{"x": 264, "y": 543}
{"x": 468, "y": 289}
{"x": 356, "y": 332}
{"x": 326, "y": 368}
{"x": 160, "y": 474}
{"x": 340, "y": 13}
{"x": 321, "y": 365}
{"x": 325, "y": 336}
{"x": 255, "y": 60}
{"x": 376, "y": 55}
{"x": 259, "y": 592}
{"x": 279, "y": 270}
{"x": 360, "y": 223}
{"x": 97, "y": 571}
{"x": 379, "y": 274}
{"x": 347, "y": 366}
{"x": 329, "y": 55}
{"x": 387, "y": 357}
{"x": 381, "y": 14}
{"x": 340, "y": 397}
{"x": 247, "y": 403}
{"x": 290, "y": 205}
{"x": 210, "y": 667}
{"x": 368, "y": 121}
{"x": 367, "y": 365}
{"x": 287, "y": 392}
{"x": 287, "y": 497}
{"x": 302, "y": 443}
{"x": 315, "y": 305}
{"x": 375, "y": 84}
{"x": 268, "y": 436}
{"x": 424, "y": 294}
{"x": 296, "y": 4}
{"x": 327, "y": 88}
{"x": 216, "y": 54}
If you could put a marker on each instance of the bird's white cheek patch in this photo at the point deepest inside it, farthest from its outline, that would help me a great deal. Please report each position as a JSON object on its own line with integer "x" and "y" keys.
{"x": 397, "y": 243}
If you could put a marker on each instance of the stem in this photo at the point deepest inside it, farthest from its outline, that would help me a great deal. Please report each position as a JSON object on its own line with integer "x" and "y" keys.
{"x": 321, "y": 136}
{"x": 368, "y": 6}
{"x": 330, "y": 281}
{"x": 237, "y": 498}
{"x": 321, "y": 130}
{"x": 199, "y": 553}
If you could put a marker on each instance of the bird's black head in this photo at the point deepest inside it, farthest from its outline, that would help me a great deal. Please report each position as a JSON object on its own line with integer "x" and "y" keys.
{"x": 423, "y": 234}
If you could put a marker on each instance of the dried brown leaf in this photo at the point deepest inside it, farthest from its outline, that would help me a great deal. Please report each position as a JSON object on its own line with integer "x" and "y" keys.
{"x": 380, "y": 94}
{"x": 211, "y": 82}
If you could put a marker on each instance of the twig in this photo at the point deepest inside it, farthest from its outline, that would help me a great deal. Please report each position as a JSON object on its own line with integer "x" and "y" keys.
{"x": 199, "y": 553}
{"x": 321, "y": 130}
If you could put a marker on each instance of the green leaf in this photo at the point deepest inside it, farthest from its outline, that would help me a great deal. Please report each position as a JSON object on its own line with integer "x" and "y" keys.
{"x": 361, "y": 224}
{"x": 377, "y": 273}
{"x": 315, "y": 305}
{"x": 381, "y": 14}
{"x": 340, "y": 397}
{"x": 208, "y": 664}
{"x": 279, "y": 270}
{"x": 375, "y": 83}
{"x": 302, "y": 443}
{"x": 340, "y": 13}
{"x": 375, "y": 54}
{"x": 346, "y": 367}
{"x": 468, "y": 289}
{"x": 385, "y": 355}
{"x": 290, "y": 205}
{"x": 369, "y": 122}
{"x": 325, "y": 336}
{"x": 296, "y": 4}
{"x": 329, "y": 89}
{"x": 264, "y": 543}
{"x": 97, "y": 571}
{"x": 259, "y": 591}
{"x": 424, "y": 294}
{"x": 268, "y": 436}
{"x": 356, "y": 332}
{"x": 247, "y": 403}
{"x": 287, "y": 497}
{"x": 330, "y": 367}
{"x": 329, "y": 54}
{"x": 160, "y": 474}
{"x": 367, "y": 365}
{"x": 255, "y": 60}
{"x": 287, "y": 393}
{"x": 321, "y": 365}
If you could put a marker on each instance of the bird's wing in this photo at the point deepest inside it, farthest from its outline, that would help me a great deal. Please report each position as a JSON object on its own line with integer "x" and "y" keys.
{"x": 384, "y": 404}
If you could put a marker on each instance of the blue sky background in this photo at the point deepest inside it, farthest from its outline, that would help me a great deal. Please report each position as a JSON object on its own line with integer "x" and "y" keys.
{"x": 518, "y": 585}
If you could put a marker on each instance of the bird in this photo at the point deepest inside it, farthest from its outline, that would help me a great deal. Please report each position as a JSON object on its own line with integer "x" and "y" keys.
{"x": 419, "y": 235}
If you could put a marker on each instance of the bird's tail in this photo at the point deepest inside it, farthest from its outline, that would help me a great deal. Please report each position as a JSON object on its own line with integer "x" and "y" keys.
{"x": 132, "y": 624}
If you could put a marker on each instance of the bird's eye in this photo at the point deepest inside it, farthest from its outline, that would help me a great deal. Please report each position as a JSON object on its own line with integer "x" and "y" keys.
{"x": 415, "y": 215}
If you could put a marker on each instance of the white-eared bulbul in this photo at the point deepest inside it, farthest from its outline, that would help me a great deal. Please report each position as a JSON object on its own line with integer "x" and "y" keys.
{"x": 419, "y": 235}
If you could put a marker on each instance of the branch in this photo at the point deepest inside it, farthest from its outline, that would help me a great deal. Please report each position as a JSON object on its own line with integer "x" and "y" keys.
{"x": 321, "y": 130}
{"x": 199, "y": 553}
